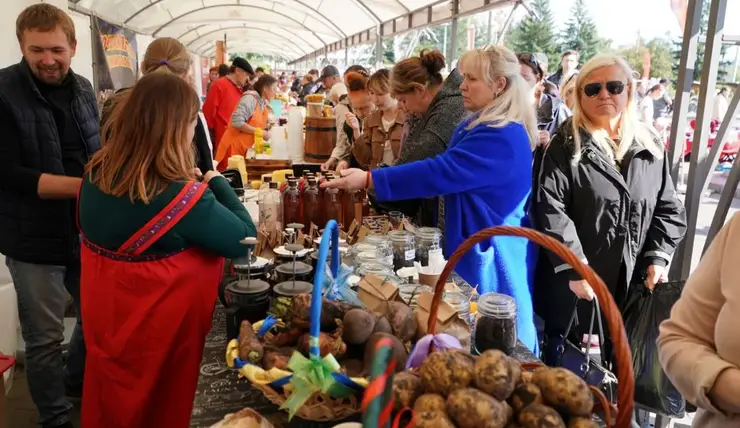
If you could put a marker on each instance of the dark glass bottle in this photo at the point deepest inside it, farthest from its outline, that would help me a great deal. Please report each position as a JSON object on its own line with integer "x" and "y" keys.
{"x": 333, "y": 205}
{"x": 313, "y": 210}
{"x": 292, "y": 203}
{"x": 352, "y": 207}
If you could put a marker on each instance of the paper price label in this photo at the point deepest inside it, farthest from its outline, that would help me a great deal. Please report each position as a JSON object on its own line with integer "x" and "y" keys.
{"x": 410, "y": 254}
{"x": 435, "y": 252}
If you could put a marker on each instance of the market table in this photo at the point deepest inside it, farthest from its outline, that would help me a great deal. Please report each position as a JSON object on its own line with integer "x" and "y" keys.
{"x": 221, "y": 391}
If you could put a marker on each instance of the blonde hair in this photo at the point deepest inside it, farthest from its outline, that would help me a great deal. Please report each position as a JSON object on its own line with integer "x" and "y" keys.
{"x": 167, "y": 55}
{"x": 513, "y": 104}
{"x": 569, "y": 86}
{"x": 379, "y": 82}
{"x": 630, "y": 127}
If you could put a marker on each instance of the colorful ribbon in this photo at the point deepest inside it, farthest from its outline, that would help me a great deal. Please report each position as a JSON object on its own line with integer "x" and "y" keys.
{"x": 377, "y": 403}
{"x": 427, "y": 344}
{"x": 311, "y": 375}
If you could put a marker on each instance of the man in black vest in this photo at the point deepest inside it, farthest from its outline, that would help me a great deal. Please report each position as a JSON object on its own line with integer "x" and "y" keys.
{"x": 49, "y": 125}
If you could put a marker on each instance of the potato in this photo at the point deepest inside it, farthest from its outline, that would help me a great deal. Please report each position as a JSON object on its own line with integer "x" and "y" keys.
{"x": 564, "y": 390}
{"x": 524, "y": 395}
{"x": 579, "y": 422}
{"x": 382, "y": 326}
{"x": 399, "y": 351}
{"x": 402, "y": 321}
{"x": 429, "y": 403}
{"x": 494, "y": 374}
{"x": 444, "y": 372}
{"x": 406, "y": 389}
{"x": 527, "y": 377}
{"x": 432, "y": 420}
{"x": 540, "y": 416}
{"x": 358, "y": 326}
{"x": 470, "y": 408}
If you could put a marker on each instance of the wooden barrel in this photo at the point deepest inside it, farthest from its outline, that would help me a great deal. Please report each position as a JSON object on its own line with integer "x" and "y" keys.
{"x": 321, "y": 136}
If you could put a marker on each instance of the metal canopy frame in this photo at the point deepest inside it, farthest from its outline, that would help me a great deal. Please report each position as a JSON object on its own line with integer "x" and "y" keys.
{"x": 295, "y": 49}
{"x": 326, "y": 21}
{"x": 208, "y": 45}
{"x": 264, "y": 47}
{"x": 220, "y": 6}
{"x": 248, "y": 27}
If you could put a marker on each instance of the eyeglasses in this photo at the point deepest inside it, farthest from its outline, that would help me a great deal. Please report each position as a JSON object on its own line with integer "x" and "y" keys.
{"x": 614, "y": 87}
{"x": 530, "y": 60}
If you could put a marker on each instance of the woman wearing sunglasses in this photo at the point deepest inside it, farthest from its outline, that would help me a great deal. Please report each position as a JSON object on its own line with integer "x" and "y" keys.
{"x": 603, "y": 190}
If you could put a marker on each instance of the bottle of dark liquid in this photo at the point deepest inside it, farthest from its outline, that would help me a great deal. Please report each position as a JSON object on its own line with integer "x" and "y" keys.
{"x": 313, "y": 210}
{"x": 292, "y": 203}
{"x": 333, "y": 205}
{"x": 352, "y": 207}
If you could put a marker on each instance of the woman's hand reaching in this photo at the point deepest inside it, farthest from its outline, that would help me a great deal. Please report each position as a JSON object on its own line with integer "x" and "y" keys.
{"x": 352, "y": 179}
{"x": 582, "y": 289}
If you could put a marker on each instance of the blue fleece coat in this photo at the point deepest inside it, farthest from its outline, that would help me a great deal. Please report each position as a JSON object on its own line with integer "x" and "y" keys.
{"x": 485, "y": 177}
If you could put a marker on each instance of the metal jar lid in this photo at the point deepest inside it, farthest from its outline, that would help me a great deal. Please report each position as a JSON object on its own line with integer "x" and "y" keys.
{"x": 248, "y": 286}
{"x": 292, "y": 288}
{"x": 300, "y": 268}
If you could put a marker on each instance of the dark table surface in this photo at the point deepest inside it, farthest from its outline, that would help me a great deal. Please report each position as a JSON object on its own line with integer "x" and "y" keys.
{"x": 221, "y": 391}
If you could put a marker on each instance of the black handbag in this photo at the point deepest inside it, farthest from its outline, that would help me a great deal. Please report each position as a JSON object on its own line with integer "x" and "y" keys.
{"x": 573, "y": 358}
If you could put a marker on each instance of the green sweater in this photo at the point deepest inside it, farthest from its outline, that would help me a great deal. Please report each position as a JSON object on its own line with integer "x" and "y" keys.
{"x": 216, "y": 223}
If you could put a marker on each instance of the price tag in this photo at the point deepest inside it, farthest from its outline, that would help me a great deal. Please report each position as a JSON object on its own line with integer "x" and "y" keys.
{"x": 437, "y": 252}
{"x": 410, "y": 254}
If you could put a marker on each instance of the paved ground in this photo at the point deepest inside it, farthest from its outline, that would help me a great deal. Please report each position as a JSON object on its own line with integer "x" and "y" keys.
{"x": 22, "y": 413}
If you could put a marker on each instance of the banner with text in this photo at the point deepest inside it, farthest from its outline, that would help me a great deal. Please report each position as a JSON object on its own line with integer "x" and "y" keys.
{"x": 116, "y": 61}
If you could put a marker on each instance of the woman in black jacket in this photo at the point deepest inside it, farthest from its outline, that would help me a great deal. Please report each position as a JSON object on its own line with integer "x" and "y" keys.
{"x": 604, "y": 191}
{"x": 168, "y": 55}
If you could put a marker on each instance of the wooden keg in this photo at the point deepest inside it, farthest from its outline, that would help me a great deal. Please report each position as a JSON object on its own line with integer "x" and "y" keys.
{"x": 321, "y": 137}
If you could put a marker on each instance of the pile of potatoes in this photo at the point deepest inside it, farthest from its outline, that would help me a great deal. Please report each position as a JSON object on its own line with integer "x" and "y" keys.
{"x": 453, "y": 388}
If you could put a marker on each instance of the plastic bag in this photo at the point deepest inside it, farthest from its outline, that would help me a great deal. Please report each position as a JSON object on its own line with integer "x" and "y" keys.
{"x": 339, "y": 289}
{"x": 643, "y": 313}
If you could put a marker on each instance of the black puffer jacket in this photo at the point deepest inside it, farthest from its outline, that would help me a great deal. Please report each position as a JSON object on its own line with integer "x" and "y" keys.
{"x": 619, "y": 222}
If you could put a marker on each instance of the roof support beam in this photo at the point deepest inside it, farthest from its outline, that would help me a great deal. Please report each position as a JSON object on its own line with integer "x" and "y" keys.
{"x": 270, "y": 49}
{"x": 220, "y": 6}
{"x": 289, "y": 43}
{"x": 210, "y": 43}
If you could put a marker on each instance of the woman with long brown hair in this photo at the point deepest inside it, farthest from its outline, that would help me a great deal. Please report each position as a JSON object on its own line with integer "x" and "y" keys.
{"x": 154, "y": 239}
{"x": 168, "y": 55}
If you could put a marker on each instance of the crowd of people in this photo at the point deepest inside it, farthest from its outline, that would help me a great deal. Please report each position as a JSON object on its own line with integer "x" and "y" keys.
{"x": 132, "y": 219}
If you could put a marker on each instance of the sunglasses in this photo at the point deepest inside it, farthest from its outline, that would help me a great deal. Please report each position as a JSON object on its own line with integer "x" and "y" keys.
{"x": 614, "y": 87}
{"x": 530, "y": 60}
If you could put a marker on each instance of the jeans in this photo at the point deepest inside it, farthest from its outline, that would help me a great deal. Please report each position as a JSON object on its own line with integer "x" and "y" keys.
{"x": 42, "y": 300}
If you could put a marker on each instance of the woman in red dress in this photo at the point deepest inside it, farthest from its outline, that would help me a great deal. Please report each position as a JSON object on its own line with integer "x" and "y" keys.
{"x": 154, "y": 241}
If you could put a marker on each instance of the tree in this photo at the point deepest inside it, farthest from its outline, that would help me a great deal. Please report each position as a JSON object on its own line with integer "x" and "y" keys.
{"x": 661, "y": 61}
{"x": 580, "y": 33}
{"x": 535, "y": 33}
{"x": 703, "y": 29}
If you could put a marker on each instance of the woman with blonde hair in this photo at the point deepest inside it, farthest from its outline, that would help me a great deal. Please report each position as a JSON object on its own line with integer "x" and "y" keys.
{"x": 168, "y": 55}
{"x": 603, "y": 190}
{"x": 485, "y": 178}
{"x": 154, "y": 239}
{"x": 380, "y": 143}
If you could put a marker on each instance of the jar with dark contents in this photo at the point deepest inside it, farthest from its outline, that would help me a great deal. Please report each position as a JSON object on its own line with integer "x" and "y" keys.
{"x": 495, "y": 327}
{"x": 428, "y": 241}
{"x": 404, "y": 249}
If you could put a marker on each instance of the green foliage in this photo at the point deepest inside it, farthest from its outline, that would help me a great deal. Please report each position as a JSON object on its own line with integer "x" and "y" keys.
{"x": 536, "y": 34}
{"x": 661, "y": 59}
{"x": 581, "y": 34}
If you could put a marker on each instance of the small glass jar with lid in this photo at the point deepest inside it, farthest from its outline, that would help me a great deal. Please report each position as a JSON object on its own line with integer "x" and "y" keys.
{"x": 404, "y": 248}
{"x": 410, "y": 293}
{"x": 368, "y": 257}
{"x": 495, "y": 326}
{"x": 460, "y": 302}
{"x": 428, "y": 241}
{"x": 372, "y": 268}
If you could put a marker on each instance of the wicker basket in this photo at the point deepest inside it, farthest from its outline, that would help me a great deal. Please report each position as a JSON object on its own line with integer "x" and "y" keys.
{"x": 623, "y": 356}
{"x": 276, "y": 384}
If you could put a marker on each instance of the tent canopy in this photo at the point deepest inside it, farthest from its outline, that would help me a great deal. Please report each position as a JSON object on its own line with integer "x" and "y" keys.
{"x": 287, "y": 28}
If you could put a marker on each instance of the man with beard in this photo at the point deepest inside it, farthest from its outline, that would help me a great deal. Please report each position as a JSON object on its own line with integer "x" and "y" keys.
{"x": 50, "y": 126}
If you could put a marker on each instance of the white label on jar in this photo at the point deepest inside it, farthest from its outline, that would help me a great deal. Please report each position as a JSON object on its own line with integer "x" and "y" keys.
{"x": 437, "y": 252}
{"x": 410, "y": 254}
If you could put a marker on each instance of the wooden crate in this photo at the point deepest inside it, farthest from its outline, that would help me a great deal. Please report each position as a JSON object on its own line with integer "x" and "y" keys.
{"x": 257, "y": 167}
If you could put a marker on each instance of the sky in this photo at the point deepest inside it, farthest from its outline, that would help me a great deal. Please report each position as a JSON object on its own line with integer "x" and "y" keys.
{"x": 620, "y": 20}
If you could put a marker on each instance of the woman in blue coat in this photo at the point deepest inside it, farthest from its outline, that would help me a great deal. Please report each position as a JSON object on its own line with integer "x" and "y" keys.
{"x": 485, "y": 178}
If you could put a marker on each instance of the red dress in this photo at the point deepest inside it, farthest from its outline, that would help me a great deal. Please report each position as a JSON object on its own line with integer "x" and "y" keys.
{"x": 146, "y": 319}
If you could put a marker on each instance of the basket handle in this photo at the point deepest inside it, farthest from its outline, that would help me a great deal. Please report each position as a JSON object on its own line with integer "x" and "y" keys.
{"x": 330, "y": 231}
{"x": 624, "y": 371}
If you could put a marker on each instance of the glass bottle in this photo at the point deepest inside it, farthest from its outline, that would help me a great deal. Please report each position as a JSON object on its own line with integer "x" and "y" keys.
{"x": 352, "y": 208}
{"x": 313, "y": 211}
{"x": 271, "y": 212}
{"x": 292, "y": 203}
{"x": 266, "y": 182}
{"x": 333, "y": 205}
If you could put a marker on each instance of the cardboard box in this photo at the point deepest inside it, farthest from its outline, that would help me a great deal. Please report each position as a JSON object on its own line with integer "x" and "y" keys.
{"x": 448, "y": 321}
{"x": 375, "y": 292}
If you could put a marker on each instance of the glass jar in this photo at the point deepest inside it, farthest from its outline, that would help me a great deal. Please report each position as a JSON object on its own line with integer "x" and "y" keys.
{"x": 372, "y": 268}
{"x": 428, "y": 241}
{"x": 368, "y": 257}
{"x": 495, "y": 327}
{"x": 383, "y": 247}
{"x": 461, "y": 303}
{"x": 404, "y": 249}
{"x": 410, "y": 293}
